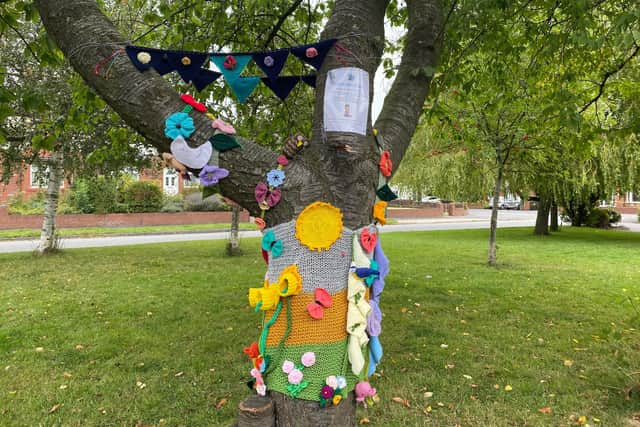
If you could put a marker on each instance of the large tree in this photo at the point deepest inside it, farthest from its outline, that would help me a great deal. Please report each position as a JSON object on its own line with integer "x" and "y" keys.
{"x": 338, "y": 168}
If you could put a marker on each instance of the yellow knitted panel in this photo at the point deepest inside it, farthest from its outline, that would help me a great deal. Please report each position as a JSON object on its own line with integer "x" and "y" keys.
{"x": 307, "y": 330}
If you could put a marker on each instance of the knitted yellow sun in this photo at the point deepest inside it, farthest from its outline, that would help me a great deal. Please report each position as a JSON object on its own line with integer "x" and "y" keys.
{"x": 319, "y": 225}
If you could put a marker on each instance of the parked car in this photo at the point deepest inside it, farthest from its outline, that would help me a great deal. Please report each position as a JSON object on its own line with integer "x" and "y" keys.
{"x": 505, "y": 203}
{"x": 430, "y": 199}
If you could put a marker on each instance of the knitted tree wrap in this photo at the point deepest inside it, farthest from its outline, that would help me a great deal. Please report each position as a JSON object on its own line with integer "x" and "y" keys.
{"x": 307, "y": 330}
{"x": 326, "y": 269}
{"x": 290, "y": 331}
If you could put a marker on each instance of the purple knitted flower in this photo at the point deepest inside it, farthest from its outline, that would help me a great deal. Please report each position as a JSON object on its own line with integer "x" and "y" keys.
{"x": 210, "y": 175}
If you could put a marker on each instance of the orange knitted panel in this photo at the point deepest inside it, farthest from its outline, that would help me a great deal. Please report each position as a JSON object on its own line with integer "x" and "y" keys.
{"x": 307, "y": 330}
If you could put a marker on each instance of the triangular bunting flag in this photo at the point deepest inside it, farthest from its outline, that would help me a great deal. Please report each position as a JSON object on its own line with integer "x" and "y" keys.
{"x": 271, "y": 62}
{"x": 204, "y": 78}
{"x": 386, "y": 194}
{"x": 313, "y": 54}
{"x": 238, "y": 62}
{"x": 187, "y": 64}
{"x": 137, "y": 60}
{"x": 310, "y": 80}
{"x": 282, "y": 86}
{"x": 243, "y": 86}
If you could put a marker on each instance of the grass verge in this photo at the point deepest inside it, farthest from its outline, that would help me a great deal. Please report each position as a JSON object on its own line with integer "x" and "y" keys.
{"x": 30, "y": 233}
{"x": 154, "y": 334}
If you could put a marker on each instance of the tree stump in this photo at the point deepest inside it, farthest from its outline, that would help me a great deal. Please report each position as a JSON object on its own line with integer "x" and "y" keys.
{"x": 256, "y": 411}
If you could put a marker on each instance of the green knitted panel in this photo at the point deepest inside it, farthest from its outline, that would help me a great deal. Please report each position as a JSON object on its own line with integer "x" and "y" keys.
{"x": 331, "y": 359}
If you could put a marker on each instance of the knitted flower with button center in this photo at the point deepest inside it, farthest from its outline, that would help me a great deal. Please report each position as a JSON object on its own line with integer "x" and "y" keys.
{"x": 295, "y": 376}
{"x": 210, "y": 175}
{"x": 268, "y": 61}
{"x": 275, "y": 177}
{"x": 385, "y": 164}
{"x": 326, "y": 392}
{"x": 311, "y": 52}
{"x": 179, "y": 124}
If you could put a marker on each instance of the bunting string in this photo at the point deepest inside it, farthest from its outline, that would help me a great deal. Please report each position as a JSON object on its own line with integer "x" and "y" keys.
{"x": 193, "y": 67}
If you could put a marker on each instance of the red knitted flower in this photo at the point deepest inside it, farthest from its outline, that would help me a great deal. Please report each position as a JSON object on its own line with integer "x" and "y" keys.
{"x": 385, "y": 163}
{"x": 230, "y": 62}
{"x": 188, "y": 99}
{"x": 252, "y": 351}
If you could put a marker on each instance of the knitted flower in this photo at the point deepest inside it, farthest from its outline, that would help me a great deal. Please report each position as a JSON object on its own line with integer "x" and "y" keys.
{"x": 210, "y": 175}
{"x": 144, "y": 57}
{"x": 188, "y": 99}
{"x": 311, "y": 52}
{"x": 230, "y": 62}
{"x": 337, "y": 398}
{"x": 268, "y": 61}
{"x": 287, "y": 366}
{"x": 326, "y": 392}
{"x": 385, "y": 164}
{"x": 179, "y": 124}
{"x": 332, "y": 381}
{"x": 378, "y": 212}
{"x": 282, "y": 160}
{"x": 275, "y": 177}
{"x": 295, "y": 376}
{"x": 342, "y": 381}
{"x": 252, "y": 351}
{"x": 308, "y": 359}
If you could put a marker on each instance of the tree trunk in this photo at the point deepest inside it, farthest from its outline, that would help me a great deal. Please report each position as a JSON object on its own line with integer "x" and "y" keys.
{"x": 493, "y": 260}
{"x": 553, "y": 226}
{"x": 542, "y": 217}
{"x": 233, "y": 246}
{"x": 48, "y": 237}
{"x": 337, "y": 167}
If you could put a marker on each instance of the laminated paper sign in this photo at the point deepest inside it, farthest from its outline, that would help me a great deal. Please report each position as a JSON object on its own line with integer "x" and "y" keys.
{"x": 346, "y": 100}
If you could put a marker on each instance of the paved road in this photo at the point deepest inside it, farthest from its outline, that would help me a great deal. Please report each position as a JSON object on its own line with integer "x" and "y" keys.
{"x": 477, "y": 218}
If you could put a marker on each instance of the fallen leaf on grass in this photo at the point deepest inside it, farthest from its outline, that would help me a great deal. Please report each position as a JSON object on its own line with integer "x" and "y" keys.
{"x": 545, "y": 410}
{"x": 428, "y": 394}
{"x": 568, "y": 363}
{"x": 54, "y": 408}
{"x": 39, "y": 349}
{"x": 364, "y": 420}
{"x": 63, "y": 387}
{"x": 508, "y": 388}
{"x": 221, "y": 403}
{"x": 403, "y": 310}
{"x": 496, "y": 386}
{"x": 469, "y": 377}
{"x": 179, "y": 374}
{"x": 67, "y": 375}
{"x": 582, "y": 420}
{"x": 401, "y": 401}
{"x": 140, "y": 384}
{"x": 79, "y": 347}
{"x": 450, "y": 365}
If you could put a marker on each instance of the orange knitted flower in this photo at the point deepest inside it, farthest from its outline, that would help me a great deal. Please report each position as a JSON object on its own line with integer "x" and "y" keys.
{"x": 378, "y": 212}
{"x": 385, "y": 163}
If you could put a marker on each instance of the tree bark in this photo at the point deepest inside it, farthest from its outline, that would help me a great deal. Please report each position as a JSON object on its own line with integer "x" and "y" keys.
{"x": 554, "y": 226}
{"x": 48, "y": 238}
{"x": 542, "y": 217}
{"x": 493, "y": 249}
{"x": 324, "y": 171}
{"x": 233, "y": 246}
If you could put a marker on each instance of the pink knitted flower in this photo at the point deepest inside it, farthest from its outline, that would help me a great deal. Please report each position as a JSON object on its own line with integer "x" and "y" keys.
{"x": 287, "y": 366}
{"x": 295, "y": 376}
{"x": 311, "y": 52}
{"x": 308, "y": 359}
{"x": 282, "y": 160}
{"x": 326, "y": 392}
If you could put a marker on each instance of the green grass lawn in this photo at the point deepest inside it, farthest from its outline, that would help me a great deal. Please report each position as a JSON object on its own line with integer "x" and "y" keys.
{"x": 25, "y": 233}
{"x": 154, "y": 334}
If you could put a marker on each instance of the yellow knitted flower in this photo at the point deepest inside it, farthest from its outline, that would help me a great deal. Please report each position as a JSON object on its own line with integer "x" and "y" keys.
{"x": 336, "y": 399}
{"x": 378, "y": 212}
{"x": 319, "y": 225}
{"x": 290, "y": 281}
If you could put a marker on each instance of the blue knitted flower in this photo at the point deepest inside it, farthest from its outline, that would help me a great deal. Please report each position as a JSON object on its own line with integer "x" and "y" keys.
{"x": 179, "y": 124}
{"x": 275, "y": 177}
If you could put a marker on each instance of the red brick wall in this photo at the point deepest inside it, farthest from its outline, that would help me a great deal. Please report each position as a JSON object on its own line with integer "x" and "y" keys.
{"x": 118, "y": 220}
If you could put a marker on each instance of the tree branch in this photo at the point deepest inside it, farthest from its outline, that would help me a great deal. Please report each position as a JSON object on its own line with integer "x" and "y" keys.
{"x": 609, "y": 74}
{"x": 144, "y": 100}
{"x": 280, "y": 22}
{"x": 403, "y": 105}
